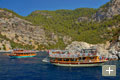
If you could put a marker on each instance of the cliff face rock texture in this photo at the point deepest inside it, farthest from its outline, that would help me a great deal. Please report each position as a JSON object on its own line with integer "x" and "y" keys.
{"x": 24, "y": 32}
{"x": 61, "y": 27}
{"x": 81, "y": 19}
{"x": 77, "y": 46}
{"x": 5, "y": 45}
{"x": 19, "y": 30}
{"x": 109, "y": 10}
{"x": 107, "y": 50}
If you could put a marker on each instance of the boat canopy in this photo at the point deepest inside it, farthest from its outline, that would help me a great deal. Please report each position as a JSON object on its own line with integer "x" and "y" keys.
{"x": 92, "y": 51}
{"x": 23, "y": 51}
{"x": 67, "y": 54}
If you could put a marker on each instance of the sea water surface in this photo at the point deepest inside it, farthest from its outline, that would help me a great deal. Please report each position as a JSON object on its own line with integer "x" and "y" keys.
{"x": 35, "y": 69}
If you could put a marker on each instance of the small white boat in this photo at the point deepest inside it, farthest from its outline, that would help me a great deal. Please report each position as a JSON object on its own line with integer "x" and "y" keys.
{"x": 46, "y": 60}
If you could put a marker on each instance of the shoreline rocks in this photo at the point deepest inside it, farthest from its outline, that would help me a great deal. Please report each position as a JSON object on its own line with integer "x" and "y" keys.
{"x": 102, "y": 49}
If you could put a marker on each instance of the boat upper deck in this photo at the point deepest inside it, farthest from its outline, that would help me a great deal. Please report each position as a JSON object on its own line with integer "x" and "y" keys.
{"x": 67, "y": 54}
{"x": 17, "y": 51}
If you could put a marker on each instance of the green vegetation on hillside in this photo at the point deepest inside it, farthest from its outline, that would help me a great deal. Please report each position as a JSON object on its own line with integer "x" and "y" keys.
{"x": 65, "y": 22}
{"x": 59, "y": 45}
{"x": 14, "y": 14}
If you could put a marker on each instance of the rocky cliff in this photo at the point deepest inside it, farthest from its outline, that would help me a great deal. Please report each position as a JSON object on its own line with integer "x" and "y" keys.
{"x": 56, "y": 29}
{"x": 19, "y": 30}
{"x": 107, "y": 50}
{"x": 24, "y": 32}
{"x": 108, "y": 10}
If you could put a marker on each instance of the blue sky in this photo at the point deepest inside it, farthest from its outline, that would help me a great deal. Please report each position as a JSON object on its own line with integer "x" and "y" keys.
{"x": 25, "y": 7}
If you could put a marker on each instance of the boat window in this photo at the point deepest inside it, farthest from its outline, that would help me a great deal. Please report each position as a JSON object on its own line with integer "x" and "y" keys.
{"x": 86, "y": 51}
{"x": 92, "y": 51}
{"x": 66, "y": 59}
{"x": 83, "y": 58}
{"x": 59, "y": 59}
{"x": 91, "y": 57}
{"x": 53, "y": 59}
{"x": 73, "y": 59}
{"x": 80, "y": 58}
{"x": 83, "y": 51}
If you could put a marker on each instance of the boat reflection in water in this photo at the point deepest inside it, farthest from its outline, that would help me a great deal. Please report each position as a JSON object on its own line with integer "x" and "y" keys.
{"x": 19, "y": 53}
{"x": 83, "y": 58}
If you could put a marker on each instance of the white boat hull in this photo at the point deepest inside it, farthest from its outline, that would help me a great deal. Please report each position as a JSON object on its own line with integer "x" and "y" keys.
{"x": 78, "y": 65}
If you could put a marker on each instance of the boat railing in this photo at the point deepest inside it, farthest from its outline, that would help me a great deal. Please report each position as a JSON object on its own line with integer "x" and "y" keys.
{"x": 67, "y": 54}
{"x": 24, "y": 51}
{"x": 63, "y": 56}
{"x": 72, "y": 55}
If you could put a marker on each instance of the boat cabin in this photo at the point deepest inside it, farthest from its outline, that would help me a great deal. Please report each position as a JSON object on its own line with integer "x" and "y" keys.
{"x": 20, "y": 52}
{"x": 85, "y": 55}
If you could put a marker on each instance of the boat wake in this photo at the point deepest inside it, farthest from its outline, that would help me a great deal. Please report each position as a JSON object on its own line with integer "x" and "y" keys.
{"x": 46, "y": 60}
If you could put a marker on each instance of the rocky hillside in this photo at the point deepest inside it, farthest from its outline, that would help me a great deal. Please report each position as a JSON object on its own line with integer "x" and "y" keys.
{"x": 106, "y": 50}
{"x": 57, "y": 29}
{"x": 20, "y": 31}
{"x": 108, "y": 16}
{"x": 108, "y": 10}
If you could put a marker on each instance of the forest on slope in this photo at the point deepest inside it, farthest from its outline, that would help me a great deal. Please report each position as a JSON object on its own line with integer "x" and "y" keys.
{"x": 66, "y": 22}
{"x": 78, "y": 24}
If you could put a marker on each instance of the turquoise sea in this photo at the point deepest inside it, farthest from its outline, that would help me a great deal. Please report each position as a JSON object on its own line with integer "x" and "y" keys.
{"x": 35, "y": 69}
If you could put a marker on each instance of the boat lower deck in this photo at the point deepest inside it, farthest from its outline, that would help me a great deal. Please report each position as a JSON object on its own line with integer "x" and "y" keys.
{"x": 21, "y": 56}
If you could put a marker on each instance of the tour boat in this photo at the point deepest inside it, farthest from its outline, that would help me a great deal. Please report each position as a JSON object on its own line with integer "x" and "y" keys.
{"x": 19, "y": 53}
{"x": 83, "y": 58}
